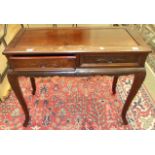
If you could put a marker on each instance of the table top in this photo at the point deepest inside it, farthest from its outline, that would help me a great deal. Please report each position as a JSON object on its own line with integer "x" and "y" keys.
{"x": 76, "y": 40}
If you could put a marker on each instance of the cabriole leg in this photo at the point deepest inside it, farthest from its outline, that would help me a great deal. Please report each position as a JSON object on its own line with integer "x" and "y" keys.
{"x": 13, "y": 79}
{"x": 114, "y": 84}
{"x": 138, "y": 80}
{"x": 33, "y": 84}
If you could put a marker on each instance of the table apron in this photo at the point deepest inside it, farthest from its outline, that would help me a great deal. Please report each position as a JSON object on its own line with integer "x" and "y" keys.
{"x": 79, "y": 72}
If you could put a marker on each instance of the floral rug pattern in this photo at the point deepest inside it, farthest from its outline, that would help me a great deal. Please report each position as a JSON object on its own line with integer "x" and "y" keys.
{"x": 78, "y": 103}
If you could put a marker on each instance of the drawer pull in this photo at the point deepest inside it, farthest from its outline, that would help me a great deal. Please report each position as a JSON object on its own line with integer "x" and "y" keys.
{"x": 104, "y": 60}
{"x": 55, "y": 65}
{"x": 42, "y": 66}
{"x": 111, "y": 60}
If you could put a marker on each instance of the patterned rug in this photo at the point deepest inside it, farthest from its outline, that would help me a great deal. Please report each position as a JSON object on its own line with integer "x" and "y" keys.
{"x": 78, "y": 103}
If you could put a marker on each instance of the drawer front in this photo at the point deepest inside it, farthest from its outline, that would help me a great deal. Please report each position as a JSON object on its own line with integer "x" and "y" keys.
{"x": 111, "y": 60}
{"x": 51, "y": 62}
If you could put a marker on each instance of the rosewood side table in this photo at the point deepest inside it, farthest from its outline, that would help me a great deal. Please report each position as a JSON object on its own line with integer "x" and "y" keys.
{"x": 76, "y": 52}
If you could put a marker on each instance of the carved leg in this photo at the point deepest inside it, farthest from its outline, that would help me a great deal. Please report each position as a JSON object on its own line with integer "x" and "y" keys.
{"x": 138, "y": 80}
{"x": 32, "y": 79}
{"x": 114, "y": 84}
{"x": 13, "y": 79}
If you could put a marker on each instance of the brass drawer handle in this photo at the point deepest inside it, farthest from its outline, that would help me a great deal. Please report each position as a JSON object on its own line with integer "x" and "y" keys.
{"x": 55, "y": 65}
{"x": 42, "y": 66}
{"x": 111, "y": 60}
{"x": 120, "y": 60}
{"x": 104, "y": 60}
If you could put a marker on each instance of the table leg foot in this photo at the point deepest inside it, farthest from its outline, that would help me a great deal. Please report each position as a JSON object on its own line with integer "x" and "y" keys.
{"x": 26, "y": 122}
{"x": 114, "y": 84}
{"x": 138, "y": 80}
{"x": 33, "y": 84}
{"x": 13, "y": 79}
{"x": 125, "y": 122}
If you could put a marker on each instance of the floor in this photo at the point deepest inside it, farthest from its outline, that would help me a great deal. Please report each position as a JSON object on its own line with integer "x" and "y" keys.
{"x": 69, "y": 103}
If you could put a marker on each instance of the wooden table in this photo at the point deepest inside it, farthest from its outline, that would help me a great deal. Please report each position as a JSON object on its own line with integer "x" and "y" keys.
{"x": 76, "y": 52}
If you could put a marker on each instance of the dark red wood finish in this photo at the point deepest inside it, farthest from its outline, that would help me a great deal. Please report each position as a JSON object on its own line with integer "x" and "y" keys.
{"x": 77, "y": 52}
